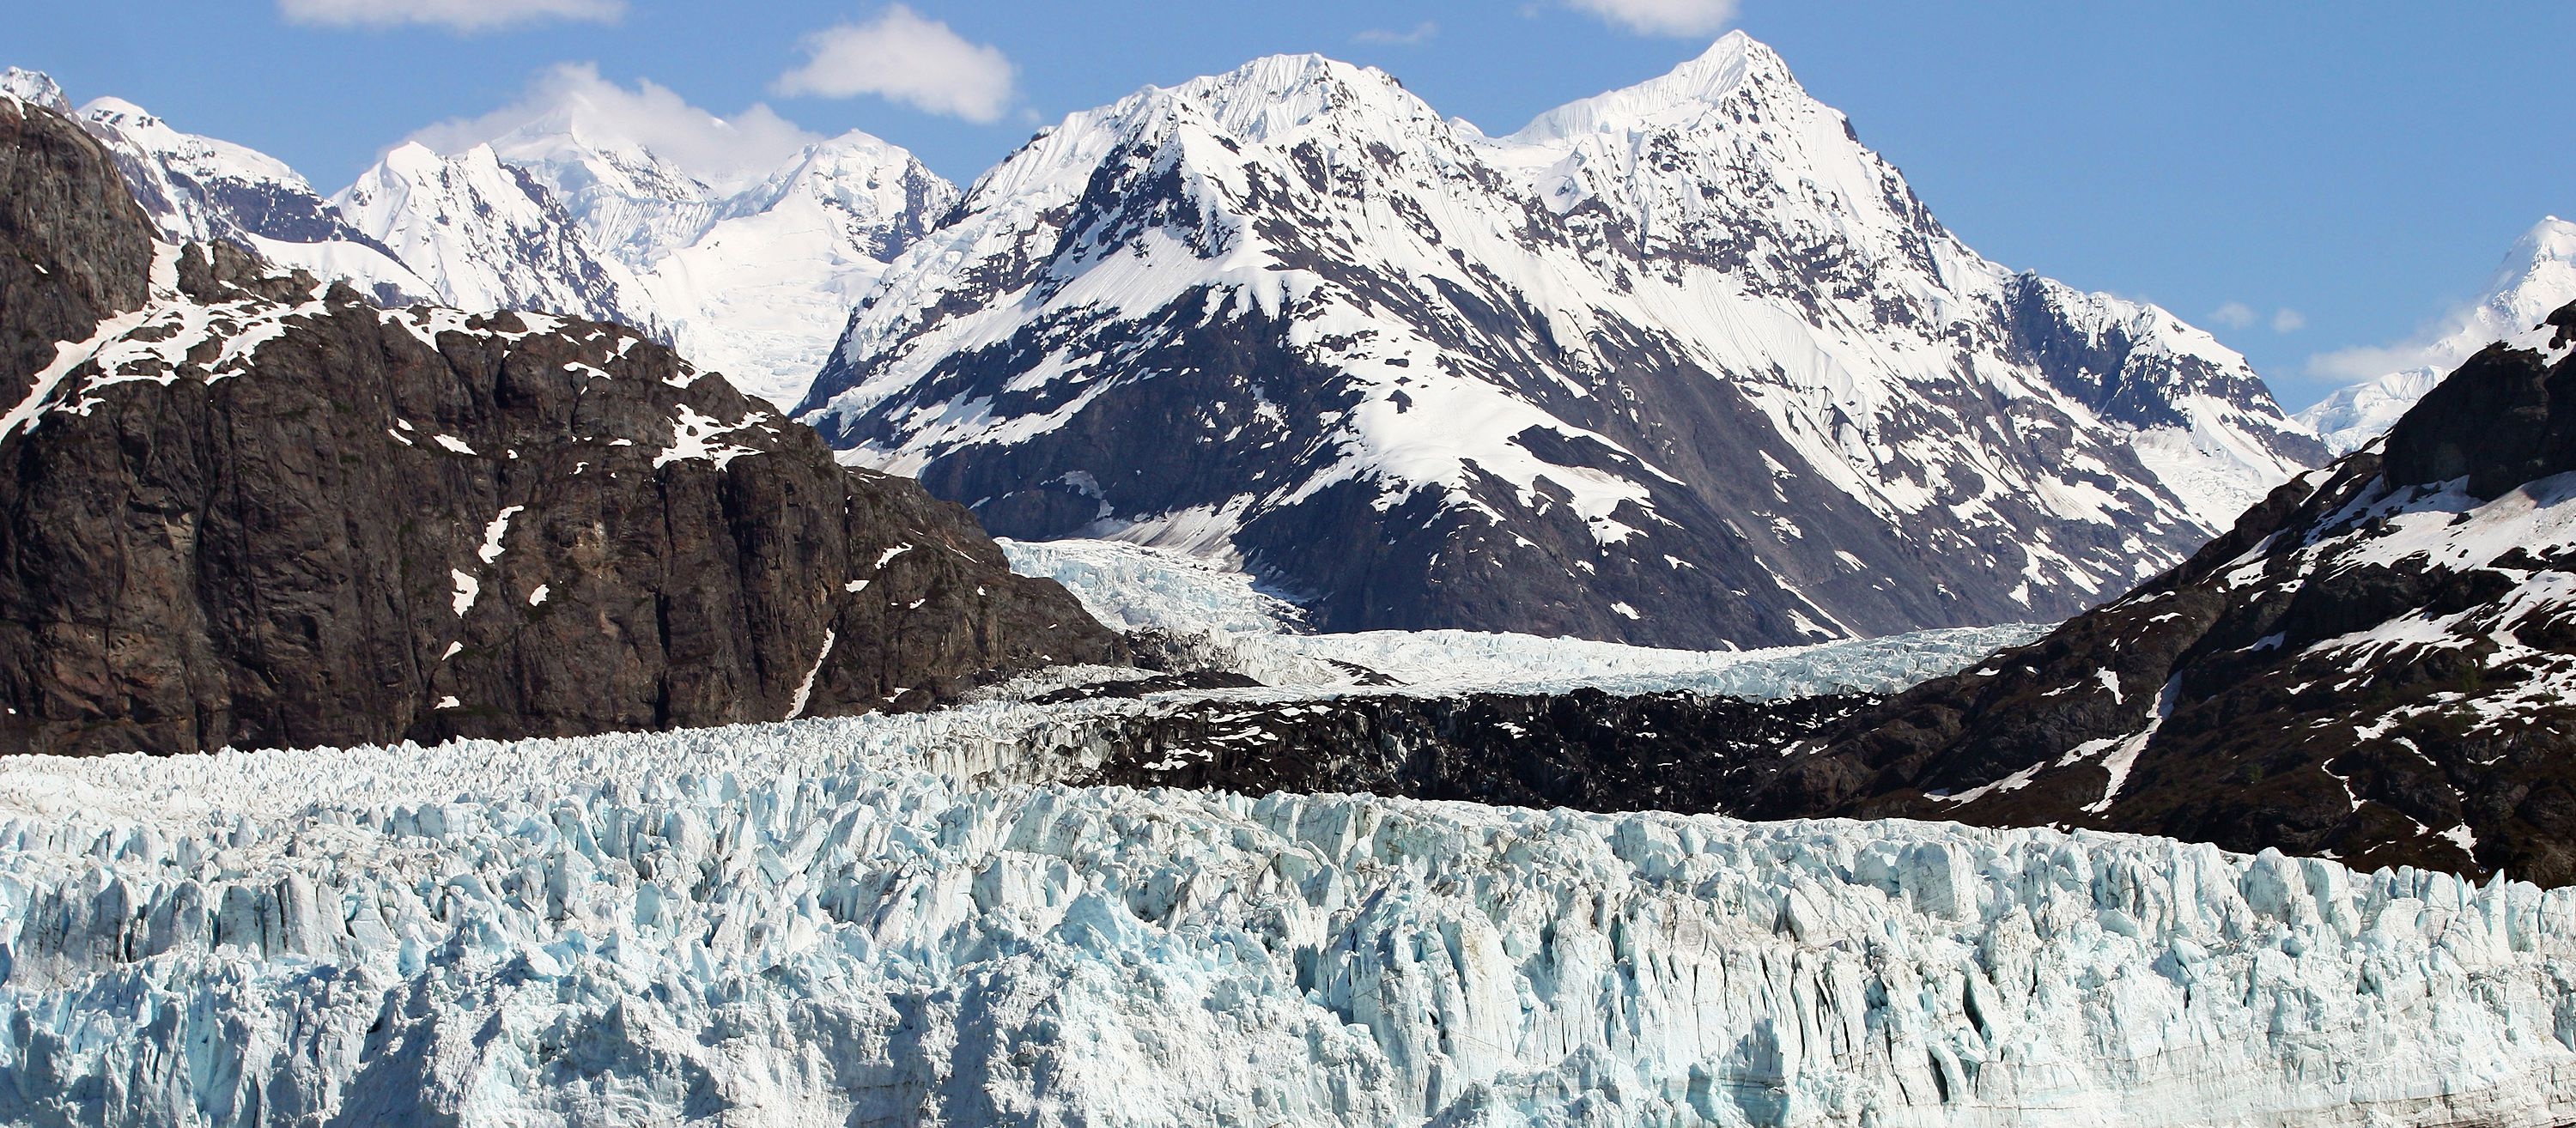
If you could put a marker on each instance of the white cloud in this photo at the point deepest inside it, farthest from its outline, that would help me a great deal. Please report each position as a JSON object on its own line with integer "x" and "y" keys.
{"x": 1663, "y": 17}
{"x": 2440, "y": 344}
{"x": 2234, "y": 315}
{"x": 900, "y": 55}
{"x": 2369, "y": 362}
{"x": 572, "y": 95}
{"x": 2286, "y": 320}
{"x": 1421, "y": 33}
{"x": 455, "y": 15}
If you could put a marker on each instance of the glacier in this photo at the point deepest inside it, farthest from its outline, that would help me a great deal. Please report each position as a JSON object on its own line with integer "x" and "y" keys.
{"x": 1228, "y": 622}
{"x": 901, "y": 920}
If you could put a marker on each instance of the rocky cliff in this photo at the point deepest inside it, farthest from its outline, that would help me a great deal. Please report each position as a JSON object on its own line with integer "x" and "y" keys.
{"x": 241, "y": 507}
{"x": 2378, "y": 663}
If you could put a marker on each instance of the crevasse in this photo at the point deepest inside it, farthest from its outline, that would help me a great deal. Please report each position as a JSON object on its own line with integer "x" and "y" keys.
{"x": 818, "y": 923}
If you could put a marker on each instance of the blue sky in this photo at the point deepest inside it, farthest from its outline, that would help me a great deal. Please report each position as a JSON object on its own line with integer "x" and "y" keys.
{"x": 2360, "y": 165}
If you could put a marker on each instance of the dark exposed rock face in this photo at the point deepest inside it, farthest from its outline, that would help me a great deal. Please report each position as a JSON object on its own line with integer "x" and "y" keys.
{"x": 2508, "y": 422}
{"x": 79, "y": 248}
{"x": 263, "y": 512}
{"x": 2378, "y": 663}
{"x": 1587, "y": 749}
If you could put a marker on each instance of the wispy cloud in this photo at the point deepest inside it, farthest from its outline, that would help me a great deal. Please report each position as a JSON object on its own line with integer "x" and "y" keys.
{"x": 573, "y": 95}
{"x": 455, "y": 15}
{"x": 1421, "y": 33}
{"x": 2238, "y": 315}
{"x": 1684, "y": 18}
{"x": 2369, "y": 362}
{"x": 901, "y": 56}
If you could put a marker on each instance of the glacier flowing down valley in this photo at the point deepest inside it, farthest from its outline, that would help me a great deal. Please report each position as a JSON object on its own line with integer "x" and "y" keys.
{"x": 897, "y": 920}
{"x": 1230, "y": 623}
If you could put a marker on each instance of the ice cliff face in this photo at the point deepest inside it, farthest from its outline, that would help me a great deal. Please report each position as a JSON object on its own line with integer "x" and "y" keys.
{"x": 2538, "y": 275}
{"x": 797, "y": 925}
{"x": 1684, "y": 365}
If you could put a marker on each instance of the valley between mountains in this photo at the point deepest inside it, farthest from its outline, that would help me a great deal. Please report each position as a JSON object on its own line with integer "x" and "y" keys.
{"x": 1269, "y": 606}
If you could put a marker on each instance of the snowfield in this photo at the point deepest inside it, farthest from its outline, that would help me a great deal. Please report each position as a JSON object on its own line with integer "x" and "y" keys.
{"x": 853, "y": 922}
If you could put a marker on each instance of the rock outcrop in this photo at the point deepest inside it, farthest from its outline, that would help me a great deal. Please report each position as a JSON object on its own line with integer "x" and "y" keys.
{"x": 240, "y": 507}
{"x": 2378, "y": 663}
{"x": 79, "y": 247}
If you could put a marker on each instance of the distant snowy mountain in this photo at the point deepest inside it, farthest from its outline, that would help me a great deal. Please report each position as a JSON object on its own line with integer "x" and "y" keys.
{"x": 755, "y": 278}
{"x": 2537, "y": 276}
{"x": 198, "y": 189}
{"x": 489, "y": 236}
{"x": 1684, "y": 364}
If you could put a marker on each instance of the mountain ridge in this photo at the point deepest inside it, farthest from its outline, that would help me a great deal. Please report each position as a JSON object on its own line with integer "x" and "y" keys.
{"x": 1295, "y": 256}
{"x": 2376, "y": 663}
{"x": 247, "y": 507}
{"x": 754, "y": 275}
{"x": 2535, "y": 277}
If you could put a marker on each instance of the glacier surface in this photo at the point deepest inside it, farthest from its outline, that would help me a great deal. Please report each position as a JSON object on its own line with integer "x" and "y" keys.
{"x": 866, "y": 921}
{"x": 1236, "y": 626}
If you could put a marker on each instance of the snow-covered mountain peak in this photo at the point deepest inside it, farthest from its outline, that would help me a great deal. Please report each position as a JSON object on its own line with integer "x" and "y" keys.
{"x": 2552, "y": 238}
{"x": 1522, "y": 347}
{"x": 201, "y": 189}
{"x": 870, "y": 179}
{"x": 1736, "y": 63}
{"x": 1267, "y": 98}
{"x": 410, "y": 160}
{"x": 118, "y": 111}
{"x": 2537, "y": 276}
{"x": 204, "y": 156}
{"x": 747, "y": 266}
{"x": 2539, "y": 273}
{"x": 633, "y": 205}
{"x": 35, "y": 87}
{"x": 490, "y": 234}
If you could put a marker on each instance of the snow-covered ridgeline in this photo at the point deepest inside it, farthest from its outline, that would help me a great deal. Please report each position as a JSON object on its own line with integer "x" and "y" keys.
{"x": 753, "y": 277}
{"x": 2537, "y": 276}
{"x": 1140, "y": 587}
{"x": 792, "y": 925}
{"x": 1479, "y": 357}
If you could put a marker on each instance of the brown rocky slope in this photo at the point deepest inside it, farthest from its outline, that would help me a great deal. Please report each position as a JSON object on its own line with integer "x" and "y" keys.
{"x": 2378, "y": 664}
{"x": 243, "y": 508}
